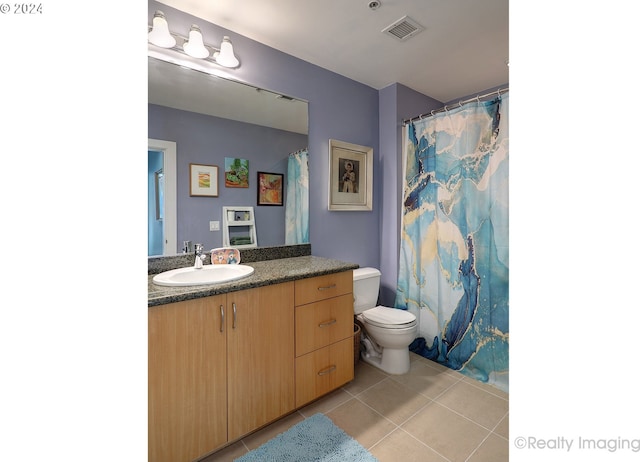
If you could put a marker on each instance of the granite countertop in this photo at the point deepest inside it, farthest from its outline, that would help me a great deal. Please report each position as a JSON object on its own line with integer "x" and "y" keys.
{"x": 266, "y": 273}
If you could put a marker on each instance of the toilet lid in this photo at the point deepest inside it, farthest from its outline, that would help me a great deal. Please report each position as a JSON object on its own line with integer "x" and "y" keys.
{"x": 393, "y": 318}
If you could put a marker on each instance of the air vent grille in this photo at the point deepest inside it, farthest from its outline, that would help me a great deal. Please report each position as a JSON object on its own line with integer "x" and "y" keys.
{"x": 403, "y": 29}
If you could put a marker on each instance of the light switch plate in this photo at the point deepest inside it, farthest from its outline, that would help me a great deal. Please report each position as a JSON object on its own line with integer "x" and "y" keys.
{"x": 214, "y": 226}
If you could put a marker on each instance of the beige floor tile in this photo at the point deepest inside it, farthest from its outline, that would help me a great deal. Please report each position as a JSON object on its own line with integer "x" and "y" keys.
{"x": 493, "y": 449}
{"x": 448, "y": 433}
{"x": 393, "y": 400}
{"x": 361, "y": 422}
{"x": 502, "y": 428}
{"x": 365, "y": 377}
{"x": 456, "y": 426}
{"x": 486, "y": 387}
{"x": 483, "y": 408}
{"x": 426, "y": 380}
{"x": 326, "y": 403}
{"x": 439, "y": 367}
{"x": 260, "y": 437}
{"x": 399, "y": 445}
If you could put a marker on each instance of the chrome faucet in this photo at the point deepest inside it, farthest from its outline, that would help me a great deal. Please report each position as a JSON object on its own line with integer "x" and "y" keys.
{"x": 199, "y": 256}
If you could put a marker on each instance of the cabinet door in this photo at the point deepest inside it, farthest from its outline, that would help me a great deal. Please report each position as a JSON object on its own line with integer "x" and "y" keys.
{"x": 322, "y": 287}
{"x": 323, "y": 370}
{"x": 187, "y": 380}
{"x": 260, "y": 356}
{"x": 323, "y": 323}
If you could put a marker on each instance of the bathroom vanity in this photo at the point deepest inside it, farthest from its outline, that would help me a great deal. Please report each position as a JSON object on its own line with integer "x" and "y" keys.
{"x": 227, "y": 359}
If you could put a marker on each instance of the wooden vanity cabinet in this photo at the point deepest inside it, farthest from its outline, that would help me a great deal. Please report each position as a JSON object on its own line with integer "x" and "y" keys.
{"x": 324, "y": 334}
{"x": 260, "y": 365}
{"x": 187, "y": 379}
{"x": 219, "y": 368}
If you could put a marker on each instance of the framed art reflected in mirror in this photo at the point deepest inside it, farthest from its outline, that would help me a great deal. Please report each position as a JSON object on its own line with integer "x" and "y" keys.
{"x": 203, "y": 180}
{"x": 270, "y": 188}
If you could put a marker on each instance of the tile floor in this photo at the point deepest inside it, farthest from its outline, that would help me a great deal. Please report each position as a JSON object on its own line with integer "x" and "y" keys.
{"x": 430, "y": 414}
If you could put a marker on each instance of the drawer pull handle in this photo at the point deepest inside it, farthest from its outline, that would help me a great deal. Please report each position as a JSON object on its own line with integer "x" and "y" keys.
{"x": 332, "y": 286}
{"x": 327, "y": 323}
{"x": 221, "y": 318}
{"x": 328, "y": 370}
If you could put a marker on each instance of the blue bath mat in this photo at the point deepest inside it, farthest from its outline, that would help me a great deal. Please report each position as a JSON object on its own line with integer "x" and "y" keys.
{"x": 315, "y": 439}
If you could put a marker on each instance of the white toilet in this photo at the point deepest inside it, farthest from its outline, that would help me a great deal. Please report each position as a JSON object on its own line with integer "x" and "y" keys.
{"x": 390, "y": 331}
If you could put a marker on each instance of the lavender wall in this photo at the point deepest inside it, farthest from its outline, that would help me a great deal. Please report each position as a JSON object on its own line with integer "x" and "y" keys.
{"x": 345, "y": 110}
{"x": 203, "y": 139}
{"x": 339, "y": 108}
{"x": 397, "y": 102}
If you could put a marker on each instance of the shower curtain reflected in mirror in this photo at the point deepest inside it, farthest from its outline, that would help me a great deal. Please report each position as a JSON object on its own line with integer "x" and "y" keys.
{"x": 297, "y": 206}
{"x": 454, "y": 256}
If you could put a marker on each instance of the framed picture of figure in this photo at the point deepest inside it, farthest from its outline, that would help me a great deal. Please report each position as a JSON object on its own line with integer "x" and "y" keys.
{"x": 350, "y": 176}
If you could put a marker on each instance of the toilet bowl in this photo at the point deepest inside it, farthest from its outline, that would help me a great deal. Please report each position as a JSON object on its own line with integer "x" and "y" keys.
{"x": 388, "y": 332}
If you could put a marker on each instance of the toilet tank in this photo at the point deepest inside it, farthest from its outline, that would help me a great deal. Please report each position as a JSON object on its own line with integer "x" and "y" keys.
{"x": 366, "y": 285}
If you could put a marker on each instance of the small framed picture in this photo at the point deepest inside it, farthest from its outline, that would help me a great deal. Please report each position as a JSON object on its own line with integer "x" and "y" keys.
{"x": 236, "y": 172}
{"x": 270, "y": 188}
{"x": 203, "y": 180}
{"x": 350, "y": 176}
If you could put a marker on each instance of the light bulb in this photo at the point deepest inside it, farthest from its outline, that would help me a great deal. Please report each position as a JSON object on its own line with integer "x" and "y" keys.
{"x": 194, "y": 46}
{"x": 160, "y": 35}
{"x": 226, "y": 57}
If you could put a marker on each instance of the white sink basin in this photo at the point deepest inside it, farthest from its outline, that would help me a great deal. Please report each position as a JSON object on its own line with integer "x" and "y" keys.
{"x": 209, "y": 274}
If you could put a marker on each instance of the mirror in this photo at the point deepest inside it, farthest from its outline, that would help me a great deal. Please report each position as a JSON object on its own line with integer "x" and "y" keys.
{"x": 276, "y": 125}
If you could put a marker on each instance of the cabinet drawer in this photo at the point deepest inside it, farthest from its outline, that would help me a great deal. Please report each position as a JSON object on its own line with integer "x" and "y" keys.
{"x": 322, "y": 287}
{"x": 322, "y": 323}
{"x": 323, "y": 370}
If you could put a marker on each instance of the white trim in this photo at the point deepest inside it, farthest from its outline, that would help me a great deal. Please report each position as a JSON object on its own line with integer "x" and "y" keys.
{"x": 170, "y": 222}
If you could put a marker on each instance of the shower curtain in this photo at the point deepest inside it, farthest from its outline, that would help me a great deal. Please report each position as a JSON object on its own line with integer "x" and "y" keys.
{"x": 454, "y": 254}
{"x": 297, "y": 208}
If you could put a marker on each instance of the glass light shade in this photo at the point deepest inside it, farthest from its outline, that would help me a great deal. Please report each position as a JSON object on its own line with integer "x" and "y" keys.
{"x": 160, "y": 35}
{"x": 226, "y": 57}
{"x": 194, "y": 46}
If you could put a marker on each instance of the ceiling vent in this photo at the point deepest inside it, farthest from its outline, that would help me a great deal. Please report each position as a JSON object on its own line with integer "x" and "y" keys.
{"x": 403, "y": 29}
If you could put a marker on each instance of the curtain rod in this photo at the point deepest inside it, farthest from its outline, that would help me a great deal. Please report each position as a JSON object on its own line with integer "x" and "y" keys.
{"x": 477, "y": 98}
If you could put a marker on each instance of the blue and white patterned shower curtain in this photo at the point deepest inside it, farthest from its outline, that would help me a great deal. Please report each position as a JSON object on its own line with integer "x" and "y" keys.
{"x": 454, "y": 257}
{"x": 297, "y": 208}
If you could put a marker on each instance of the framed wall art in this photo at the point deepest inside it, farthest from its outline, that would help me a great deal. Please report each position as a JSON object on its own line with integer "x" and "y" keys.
{"x": 236, "y": 172}
{"x": 270, "y": 188}
{"x": 350, "y": 176}
{"x": 203, "y": 180}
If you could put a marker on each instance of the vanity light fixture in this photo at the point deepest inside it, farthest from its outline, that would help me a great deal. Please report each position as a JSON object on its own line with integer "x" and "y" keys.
{"x": 195, "y": 46}
{"x": 163, "y": 45}
{"x": 160, "y": 35}
{"x": 225, "y": 56}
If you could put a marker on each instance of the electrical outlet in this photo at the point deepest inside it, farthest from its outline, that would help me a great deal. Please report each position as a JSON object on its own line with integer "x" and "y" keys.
{"x": 214, "y": 226}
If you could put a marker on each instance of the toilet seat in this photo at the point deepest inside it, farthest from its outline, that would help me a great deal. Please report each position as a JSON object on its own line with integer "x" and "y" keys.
{"x": 389, "y": 318}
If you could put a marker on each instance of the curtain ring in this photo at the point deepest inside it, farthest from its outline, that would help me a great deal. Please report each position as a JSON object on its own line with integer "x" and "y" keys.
{"x": 432, "y": 114}
{"x": 498, "y": 93}
{"x": 460, "y": 103}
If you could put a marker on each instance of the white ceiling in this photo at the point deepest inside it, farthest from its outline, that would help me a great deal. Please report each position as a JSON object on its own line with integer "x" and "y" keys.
{"x": 462, "y": 50}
